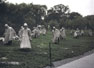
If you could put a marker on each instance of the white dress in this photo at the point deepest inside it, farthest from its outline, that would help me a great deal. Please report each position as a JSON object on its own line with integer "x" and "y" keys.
{"x": 25, "y": 39}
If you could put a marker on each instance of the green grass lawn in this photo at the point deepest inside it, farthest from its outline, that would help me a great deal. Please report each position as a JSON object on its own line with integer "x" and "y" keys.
{"x": 38, "y": 56}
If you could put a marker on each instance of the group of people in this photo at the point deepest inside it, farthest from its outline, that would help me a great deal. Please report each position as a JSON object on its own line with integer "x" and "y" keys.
{"x": 58, "y": 34}
{"x": 40, "y": 29}
{"x": 78, "y": 33}
{"x": 25, "y": 34}
{"x": 61, "y": 33}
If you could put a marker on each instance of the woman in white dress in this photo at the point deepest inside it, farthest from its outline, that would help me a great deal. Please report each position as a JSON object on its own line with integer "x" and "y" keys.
{"x": 25, "y": 37}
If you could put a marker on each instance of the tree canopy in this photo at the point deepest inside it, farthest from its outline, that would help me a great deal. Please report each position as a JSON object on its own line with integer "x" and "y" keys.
{"x": 59, "y": 15}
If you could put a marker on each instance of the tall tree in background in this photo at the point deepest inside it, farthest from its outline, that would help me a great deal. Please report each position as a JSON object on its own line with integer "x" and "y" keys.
{"x": 3, "y": 8}
{"x": 59, "y": 13}
{"x": 90, "y": 21}
{"x": 37, "y": 12}
{"x": 74, "y": 15}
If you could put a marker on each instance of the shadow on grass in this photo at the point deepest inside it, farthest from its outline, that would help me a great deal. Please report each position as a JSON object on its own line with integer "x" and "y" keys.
{"x": 25, "y": 50}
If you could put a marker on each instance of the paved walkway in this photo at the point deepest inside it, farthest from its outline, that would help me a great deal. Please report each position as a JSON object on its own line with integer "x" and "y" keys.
{"x": 85, "y": 62}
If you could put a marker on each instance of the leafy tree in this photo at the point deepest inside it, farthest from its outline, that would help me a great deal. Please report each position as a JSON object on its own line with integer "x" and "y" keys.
{"x": 59, "y": 15}
{"x": 74, "y": 15}
{"x": 90, "y": 21}
{"x": 58, "y": 12}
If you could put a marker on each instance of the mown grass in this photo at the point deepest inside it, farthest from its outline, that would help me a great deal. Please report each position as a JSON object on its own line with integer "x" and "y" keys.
{"x": 38, "y": 56}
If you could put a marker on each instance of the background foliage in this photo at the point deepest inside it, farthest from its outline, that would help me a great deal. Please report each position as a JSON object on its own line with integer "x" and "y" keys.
{"x": 59, "y": 15}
